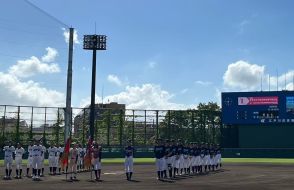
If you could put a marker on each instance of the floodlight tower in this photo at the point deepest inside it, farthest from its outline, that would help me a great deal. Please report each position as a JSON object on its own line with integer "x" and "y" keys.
{"x": 93, "y": 42}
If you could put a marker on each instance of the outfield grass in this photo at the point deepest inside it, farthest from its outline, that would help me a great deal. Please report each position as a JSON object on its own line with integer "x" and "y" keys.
{"x": 225, "y": 160}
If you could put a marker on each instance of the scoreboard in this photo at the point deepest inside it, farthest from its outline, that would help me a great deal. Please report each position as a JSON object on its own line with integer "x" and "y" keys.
{"x": 270, "y": 107}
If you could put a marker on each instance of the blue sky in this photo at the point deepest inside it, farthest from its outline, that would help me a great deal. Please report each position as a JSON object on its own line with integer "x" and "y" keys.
{"x": 161, "y": 54}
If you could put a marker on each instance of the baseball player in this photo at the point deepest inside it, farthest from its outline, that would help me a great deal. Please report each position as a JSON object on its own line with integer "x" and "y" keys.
{"x": 52, "y": 151}
{"x": 37, "y": 159}
{"x": 168, "y": 159}
{"x": 191, "y": 159}
{"x": 197, "y": 158}
{"x": 81, "y": 158}
{"x": 159, "y": 151}
{"x": 207, "y": 157}
{"x": 96, "y": 160}
{"x": 58, "y": 157}
{"x": 186, "y": 151}
{"x": 8, "y": 158}
{"x": 30, "y": 158}
{"x": 42, "y": 158}
{"x": 202, "y": 157}
{"x": 129, "y": 164}
{"x": 211, "y": 157}
{"x": 218, "y": 157}
{"x": 73, "y": 159}
{"x": 174, "y": 150}
{"x": 19, "y": 151}
{"x": 180, "y": 158}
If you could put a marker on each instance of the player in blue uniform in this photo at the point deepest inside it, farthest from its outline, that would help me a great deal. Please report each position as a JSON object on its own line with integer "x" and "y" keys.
{"x": 180, "y": 157}
{"x": 218, "y": 157}
{"x": 129, "y": 163}
{"x": 159, "y": 152}
{"x": 202, "y": 157}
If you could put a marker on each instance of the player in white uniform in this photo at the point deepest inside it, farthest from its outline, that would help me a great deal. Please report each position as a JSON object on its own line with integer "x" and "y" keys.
{"x": 43, "y": 159}
{"x": 37, "y": 159}
{"x": 73, "y": 160}
{"x": 8, "y": 158}
{"x": 80, "y": 166}
{"x": 52, "y": 151}
{"x": 60, "y": 150}
{"x": 30, "y": 158}
{"x": 19, "y": 151}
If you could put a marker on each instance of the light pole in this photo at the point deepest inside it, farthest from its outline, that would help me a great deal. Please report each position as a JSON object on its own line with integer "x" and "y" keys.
{"x": 93, "y": 42}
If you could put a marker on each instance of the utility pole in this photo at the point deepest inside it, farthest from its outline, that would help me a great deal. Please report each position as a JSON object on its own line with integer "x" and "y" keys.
{"x": 68, "y": 111}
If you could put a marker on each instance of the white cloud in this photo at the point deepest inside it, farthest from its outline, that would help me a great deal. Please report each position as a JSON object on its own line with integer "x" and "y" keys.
{"x": 33, "y": 65}
{"x": 66, "y": 36}
{"x": 243, "y": 75}
{"x": 203, "y": 83}
{"x": 242, "y": 25}
{"x": 146, "y": 96}
{"x": 15, "y": 92}
{"x": 50, "y": 56}
{"x": 114, "y": 79}
{"x": 184, "y": 91}
{"x": 152, "y": 64}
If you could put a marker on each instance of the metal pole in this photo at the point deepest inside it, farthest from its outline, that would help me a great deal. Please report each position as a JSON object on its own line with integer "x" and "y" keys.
{"x": 169, "y": 132}
{"x": 17, "y": 124}
{"x": 133, "y": 129}
{"x": 145, "y": 130}
{"x": 4, "y": 122}
{"x": 157, "y": 130}
{"x": 84, "y": 126}
{"x": 67, "y": 114}
{"x": 108, "y": 127}
{"x": 121, "y": 127}
{"x": 31, "y": 127}
{"x": 44, "y": 129}
{"x": 92, "y": 112}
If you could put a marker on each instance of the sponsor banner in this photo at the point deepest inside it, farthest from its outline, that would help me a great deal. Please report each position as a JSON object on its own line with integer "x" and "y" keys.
{"x": 257, "y": 101}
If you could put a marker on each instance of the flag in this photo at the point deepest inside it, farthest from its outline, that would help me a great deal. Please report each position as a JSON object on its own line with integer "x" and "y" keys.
{"x": 88, "y": 156}
{"x": 65, "y": 154}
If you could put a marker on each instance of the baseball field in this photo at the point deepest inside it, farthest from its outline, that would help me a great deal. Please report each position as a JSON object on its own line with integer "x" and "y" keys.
{"x": 240, "y": 173}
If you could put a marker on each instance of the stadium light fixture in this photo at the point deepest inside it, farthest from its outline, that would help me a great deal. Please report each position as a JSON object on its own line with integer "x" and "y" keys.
{"x": 93, "y": 42}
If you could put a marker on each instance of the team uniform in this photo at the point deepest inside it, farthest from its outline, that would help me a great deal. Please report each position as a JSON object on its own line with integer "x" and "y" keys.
{"x": 180, "y": 159}
{"x": 42, "y": 160}
{"x": 218, "y": 157}
{"x": 168, "y": 161}
{"x": 174, "y": 149}
{"x": 58, "y": 156}
{"x": 129, "y": 163}
{"x": 81, "y": 156}
{"x": 18, "y": 161}
{"x": 96, "y": 161}
{"x": 186, "y": 160}
{"x": 52, "y": 151}
{"x": 202, "y": 158}
{"x": 159, "y": 151}
{"x": 37, "y": 161}
{"x": 8, "y": 159}
{"x": 73, "y": 159}
{"x": 30, "y": 159}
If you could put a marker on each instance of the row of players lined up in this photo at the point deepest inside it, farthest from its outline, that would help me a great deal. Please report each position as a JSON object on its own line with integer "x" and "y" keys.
{"x": 178, "y": 158}
{"x": 173, "y": 156}
{"x": 36, "y": 157}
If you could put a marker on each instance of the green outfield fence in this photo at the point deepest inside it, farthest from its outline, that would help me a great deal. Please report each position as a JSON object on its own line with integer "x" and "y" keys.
{"x": 113, "y": 126}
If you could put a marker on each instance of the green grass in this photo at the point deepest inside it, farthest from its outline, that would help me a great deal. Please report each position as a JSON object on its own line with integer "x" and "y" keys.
{"x": 225, "y": 160}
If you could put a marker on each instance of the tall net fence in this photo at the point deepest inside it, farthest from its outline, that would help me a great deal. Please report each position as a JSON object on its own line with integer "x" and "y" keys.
{"x": 113, "y": 127}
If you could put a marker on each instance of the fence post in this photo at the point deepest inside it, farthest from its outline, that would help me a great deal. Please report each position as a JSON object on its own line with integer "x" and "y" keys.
{"x": 121, "y": 127}
{"x": 108, "y": 127}
{"x": 83, "y": 129}
{"x": 31, "y": 127}
{"x": 145, "y": 129}
{"x": 57, "y": 127}
{"x": 133, "y": 128}
{"x": 44, "y": 129}
{"x": 17, "y": 124}
{"x": 157, "y": 127}
{"x": 4, "y": 123}
{"x": 169, "y": 128}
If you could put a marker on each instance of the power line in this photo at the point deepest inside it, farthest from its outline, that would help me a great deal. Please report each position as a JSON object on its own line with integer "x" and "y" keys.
{"x": 47, "y": 14}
